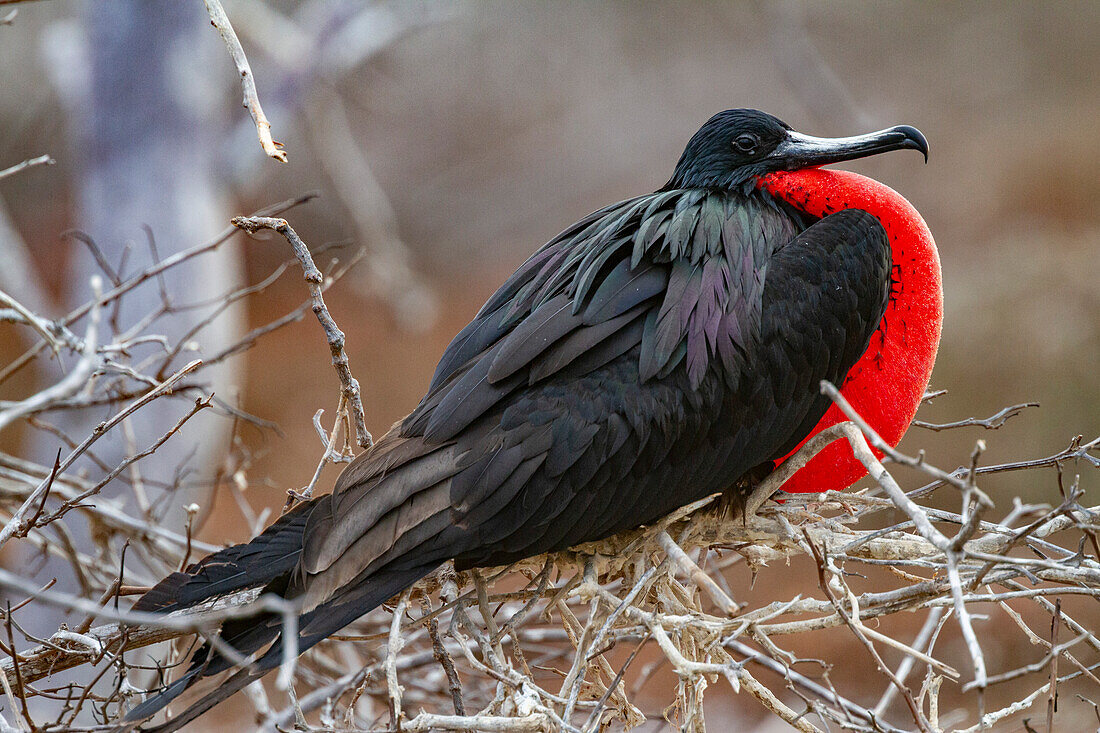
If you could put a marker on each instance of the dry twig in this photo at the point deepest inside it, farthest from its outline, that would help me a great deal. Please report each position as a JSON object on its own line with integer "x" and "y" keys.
{"x": 30, "y": 162}
{"x": 351, "y": 395}
{"x": 251, "y": 102}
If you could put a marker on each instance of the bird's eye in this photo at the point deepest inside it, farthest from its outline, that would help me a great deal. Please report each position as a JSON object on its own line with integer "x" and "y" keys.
{"x": 746, "y": 143}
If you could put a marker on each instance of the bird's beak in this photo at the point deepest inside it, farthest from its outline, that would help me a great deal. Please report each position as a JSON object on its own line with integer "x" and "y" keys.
{"x": 806, "y": 151}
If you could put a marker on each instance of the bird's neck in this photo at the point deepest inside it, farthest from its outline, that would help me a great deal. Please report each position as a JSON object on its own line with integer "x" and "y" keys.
{"x": 886, "y": 385}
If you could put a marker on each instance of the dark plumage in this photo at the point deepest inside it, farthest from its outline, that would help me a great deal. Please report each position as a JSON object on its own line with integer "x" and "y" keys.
{"x": 655, "y": 352}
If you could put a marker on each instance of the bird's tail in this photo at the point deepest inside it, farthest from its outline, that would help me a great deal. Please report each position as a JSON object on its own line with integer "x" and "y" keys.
{"x": 265, "y": 559}
{"x": 251, "y": 634}
{"x": 268, "y": 561}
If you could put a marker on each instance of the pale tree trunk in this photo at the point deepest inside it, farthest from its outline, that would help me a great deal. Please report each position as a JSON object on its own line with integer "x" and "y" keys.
{"x": 143, "y": 83}
{"x": 144, "y": 88}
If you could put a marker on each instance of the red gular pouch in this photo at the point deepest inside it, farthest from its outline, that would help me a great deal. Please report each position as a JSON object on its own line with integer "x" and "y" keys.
{"x": 886, "y": 385}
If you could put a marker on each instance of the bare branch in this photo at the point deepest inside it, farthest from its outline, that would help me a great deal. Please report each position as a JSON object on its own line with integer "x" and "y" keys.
{"x": 251, "y": 102}
{"x": 990, "y": 423}
{"x": 335, "y": 337}
{"x": 30, "y": 162}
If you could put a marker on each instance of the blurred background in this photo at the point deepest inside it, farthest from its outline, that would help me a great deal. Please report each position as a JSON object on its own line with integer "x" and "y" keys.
{"x": 451, "y": 139}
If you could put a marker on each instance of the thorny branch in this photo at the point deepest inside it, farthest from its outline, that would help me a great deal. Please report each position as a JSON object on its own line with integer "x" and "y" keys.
{"x": 990, "y": 423}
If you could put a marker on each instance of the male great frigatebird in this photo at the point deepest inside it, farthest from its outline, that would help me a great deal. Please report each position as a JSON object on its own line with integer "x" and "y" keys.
{"x": 661, "y": 349}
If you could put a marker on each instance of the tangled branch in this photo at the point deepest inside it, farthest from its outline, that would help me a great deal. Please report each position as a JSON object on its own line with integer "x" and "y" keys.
{"x": 574, "y": 641}
{"x": 644, "y": 588}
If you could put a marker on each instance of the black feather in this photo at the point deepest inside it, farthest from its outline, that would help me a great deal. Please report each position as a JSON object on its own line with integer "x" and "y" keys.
{"x": 271, "y": 554}
{"x": 533, "y": 335}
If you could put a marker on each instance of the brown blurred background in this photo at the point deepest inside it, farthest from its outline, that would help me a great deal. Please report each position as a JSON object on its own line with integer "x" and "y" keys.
{"x": 454, "y": 139}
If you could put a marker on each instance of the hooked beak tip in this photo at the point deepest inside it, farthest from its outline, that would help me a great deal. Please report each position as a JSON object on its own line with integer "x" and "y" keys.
{"x": 914, "y": 139}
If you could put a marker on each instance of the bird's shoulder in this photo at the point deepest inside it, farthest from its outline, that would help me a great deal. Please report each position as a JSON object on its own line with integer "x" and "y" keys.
{"x": 659, "y": 270}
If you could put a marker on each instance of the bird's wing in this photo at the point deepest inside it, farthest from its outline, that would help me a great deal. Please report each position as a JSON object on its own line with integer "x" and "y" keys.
{"x": 648, "y": 356}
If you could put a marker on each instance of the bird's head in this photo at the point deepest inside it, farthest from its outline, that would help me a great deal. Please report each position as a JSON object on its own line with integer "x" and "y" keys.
{"x": 740, "y": 145}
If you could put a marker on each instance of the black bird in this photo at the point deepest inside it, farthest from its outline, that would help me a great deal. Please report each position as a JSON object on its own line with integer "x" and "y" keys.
{"x": 659, "y": 350}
